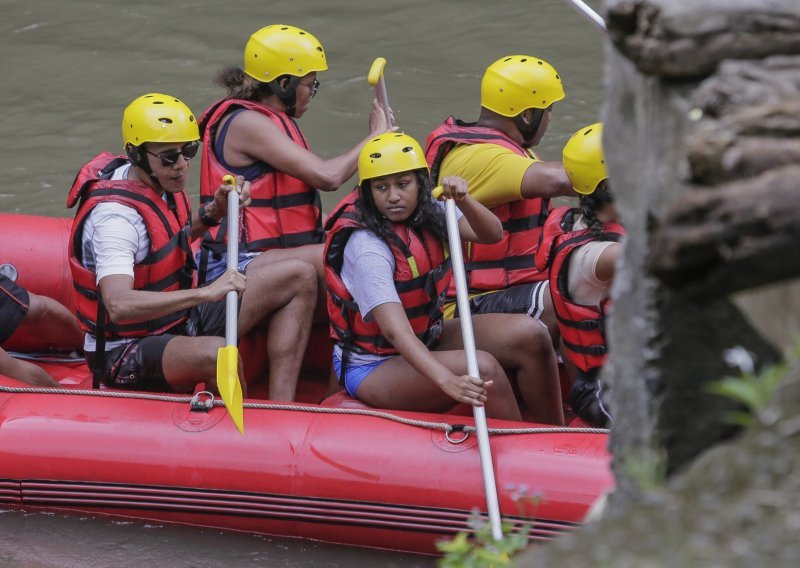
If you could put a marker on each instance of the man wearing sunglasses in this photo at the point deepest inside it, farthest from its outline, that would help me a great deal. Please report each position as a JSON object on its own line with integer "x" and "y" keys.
{"x": 148, "y": 327}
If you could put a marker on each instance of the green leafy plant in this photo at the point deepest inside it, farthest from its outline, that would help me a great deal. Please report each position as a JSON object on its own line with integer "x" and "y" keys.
{"x": 751, "y": 389}
{"x": 477, "y": 548}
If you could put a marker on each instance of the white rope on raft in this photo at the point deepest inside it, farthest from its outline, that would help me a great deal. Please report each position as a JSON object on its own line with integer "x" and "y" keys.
{"x": 443, "y": 426}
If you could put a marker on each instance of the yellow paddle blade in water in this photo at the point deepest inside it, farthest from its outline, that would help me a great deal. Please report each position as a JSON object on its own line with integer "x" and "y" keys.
{"x": 228, "y": 383}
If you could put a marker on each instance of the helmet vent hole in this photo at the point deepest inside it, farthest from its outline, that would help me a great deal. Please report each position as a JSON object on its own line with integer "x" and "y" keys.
{"x": 587, "y": 131}
{"x": 408, "y": 149}
{"x": 284, "y": 28}
{"x": 507, "y": 59}
{"x": 375, "y": 155}
{"x": 165, "y": 120}
{"x": 158, "y": 102}
{"x": 557, "y": 77}
{"x": 524, "y": 59}
{"x": 540, "y": 62}
{"x": 302, "y": 33}
{"x": 533, "y": 92}
{"x": 319, "y": 48}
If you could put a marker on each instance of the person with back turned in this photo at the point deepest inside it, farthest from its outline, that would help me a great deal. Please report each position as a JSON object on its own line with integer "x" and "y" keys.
{"x": 494, "y": 156}
{"x": 579, "y": 250}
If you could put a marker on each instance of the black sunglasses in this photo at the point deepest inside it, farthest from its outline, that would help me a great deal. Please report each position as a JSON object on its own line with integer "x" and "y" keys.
{"x": 170, "y": 157}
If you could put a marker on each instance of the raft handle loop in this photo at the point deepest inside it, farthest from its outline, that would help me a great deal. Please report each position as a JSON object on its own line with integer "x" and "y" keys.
{"x": 457, "y": 428}
{"x": 197, "y": 405}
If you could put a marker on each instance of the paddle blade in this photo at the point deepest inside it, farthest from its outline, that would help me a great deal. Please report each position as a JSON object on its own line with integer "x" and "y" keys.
{"x": 376, "y": 71}
{"x": 228, "y": 384}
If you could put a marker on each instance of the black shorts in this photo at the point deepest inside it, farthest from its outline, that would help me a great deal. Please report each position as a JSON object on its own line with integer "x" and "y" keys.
{"x": 138, "y": 365}
{"x": 14, "y": 304}
{"x": 519, "y": 299}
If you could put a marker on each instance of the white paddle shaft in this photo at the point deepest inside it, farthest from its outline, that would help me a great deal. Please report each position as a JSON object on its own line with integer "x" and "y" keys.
{"x": 383, "y": 100}
{"x": 232, "y": 297}
{"x": 465, "y": 317}
{"x": 590, "y": 14}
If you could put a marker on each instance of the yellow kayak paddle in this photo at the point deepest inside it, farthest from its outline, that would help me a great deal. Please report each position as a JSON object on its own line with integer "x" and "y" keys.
{"x": 230, "y": 389}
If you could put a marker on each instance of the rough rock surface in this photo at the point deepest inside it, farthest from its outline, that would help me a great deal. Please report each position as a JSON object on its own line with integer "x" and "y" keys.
{"x": 702, "y": 140}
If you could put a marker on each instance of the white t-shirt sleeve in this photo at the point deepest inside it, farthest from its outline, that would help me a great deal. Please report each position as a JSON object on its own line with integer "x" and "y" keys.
{"x": 114, "y": 239}
{"x": 368, "y": 272}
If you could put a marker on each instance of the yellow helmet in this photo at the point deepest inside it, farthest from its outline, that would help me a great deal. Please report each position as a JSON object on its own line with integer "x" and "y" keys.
{"x": 584, "y": 160}
{"x": 282, "y": 50}
{"x": 158, "y": 118}
{"x": 390, "y": 153}
{"x": 518, "y": 82}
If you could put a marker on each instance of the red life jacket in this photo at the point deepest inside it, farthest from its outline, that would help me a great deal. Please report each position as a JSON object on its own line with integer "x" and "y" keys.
{"x": 169, "y": 264}
{"x": 510, "y": 261}
{"x": 582, "y": 327}
{"x": 285, "y": 212}
{"x": 421, "y": 275}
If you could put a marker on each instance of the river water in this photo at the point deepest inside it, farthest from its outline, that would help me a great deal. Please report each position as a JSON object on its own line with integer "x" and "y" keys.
{"x": 68, "y": 70}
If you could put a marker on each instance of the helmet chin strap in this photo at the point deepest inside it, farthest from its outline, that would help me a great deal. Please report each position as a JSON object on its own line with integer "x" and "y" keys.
{"x": 288, "y": 94}
{"x": 529, "y": 130}
{"x": 138, "y": 157}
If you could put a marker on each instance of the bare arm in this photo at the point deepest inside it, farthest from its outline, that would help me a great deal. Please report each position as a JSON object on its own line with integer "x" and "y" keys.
{"x": 252, "y": 136}
{"x": 124, "y": 304}
{"x": 546, "y": 179}
{"x": 24, "y": 371}
{"x": 604, "y": 270}
{"x": 50, "y": 322}
{"x": 218, "y": 207}
{"x": 479, "y": 224}
{"x": 392, "y": 320}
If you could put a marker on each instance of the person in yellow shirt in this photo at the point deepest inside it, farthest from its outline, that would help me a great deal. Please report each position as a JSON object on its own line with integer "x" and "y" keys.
{"x": 494, "y": 156}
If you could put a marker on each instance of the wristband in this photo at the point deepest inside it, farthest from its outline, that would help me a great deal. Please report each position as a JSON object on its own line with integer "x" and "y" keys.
{"x": 205, "y": 219}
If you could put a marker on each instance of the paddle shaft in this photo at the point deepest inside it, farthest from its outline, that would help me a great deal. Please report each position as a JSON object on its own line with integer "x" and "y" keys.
{"x": 232, "y": 298}
{"x": 588, "y": 13}
{"x": 465, "y": 317}
{"x": 383, "y": 100}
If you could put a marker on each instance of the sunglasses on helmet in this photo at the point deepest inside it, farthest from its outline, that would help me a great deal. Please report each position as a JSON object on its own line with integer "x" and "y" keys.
{"x": 170, "y": 157}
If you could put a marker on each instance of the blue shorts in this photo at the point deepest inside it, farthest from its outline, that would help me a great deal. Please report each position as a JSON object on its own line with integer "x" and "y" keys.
{"x": 219, "y": 264}
{"x": 356, "y": 374}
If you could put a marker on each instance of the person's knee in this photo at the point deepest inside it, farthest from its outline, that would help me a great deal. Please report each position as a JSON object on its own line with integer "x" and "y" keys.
{"x": 529, "y": 337}
{"x": 488, "y": 367}
{"x": 304, "y": 275}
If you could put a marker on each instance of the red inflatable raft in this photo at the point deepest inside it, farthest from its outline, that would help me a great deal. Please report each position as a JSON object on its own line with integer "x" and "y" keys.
{"x": 335, "y": 471}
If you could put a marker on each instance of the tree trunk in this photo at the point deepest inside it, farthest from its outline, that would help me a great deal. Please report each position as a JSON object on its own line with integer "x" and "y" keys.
{"x": 701, "y": 141}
